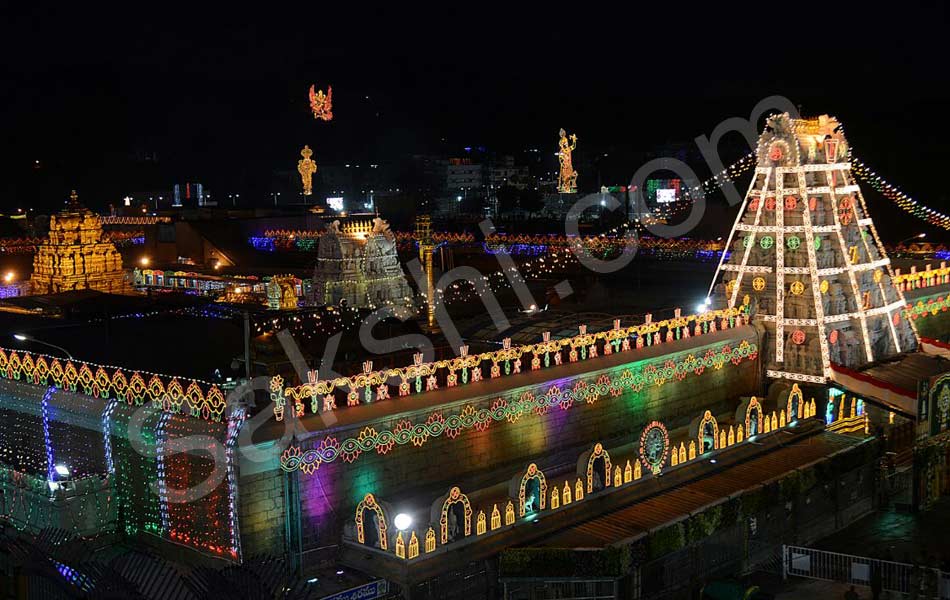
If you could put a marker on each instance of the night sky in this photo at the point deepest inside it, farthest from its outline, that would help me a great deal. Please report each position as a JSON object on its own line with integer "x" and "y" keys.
{"x": 220, "y": 95}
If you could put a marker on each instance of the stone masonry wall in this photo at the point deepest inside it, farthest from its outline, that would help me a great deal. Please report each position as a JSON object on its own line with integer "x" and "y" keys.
{"x": 328, "y": 496}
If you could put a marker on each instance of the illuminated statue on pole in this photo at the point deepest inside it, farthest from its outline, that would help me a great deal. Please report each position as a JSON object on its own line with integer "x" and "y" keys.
{"x": 567, "y": 181}
{"x": 321, "y": 104}
{"x": 306, "y": 167}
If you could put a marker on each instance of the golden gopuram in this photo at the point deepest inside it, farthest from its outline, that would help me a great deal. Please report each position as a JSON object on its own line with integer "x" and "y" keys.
{"x": 77, "y": 256}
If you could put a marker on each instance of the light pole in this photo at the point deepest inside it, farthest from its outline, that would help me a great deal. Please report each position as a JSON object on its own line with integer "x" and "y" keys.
{"x": 919, "y": 236}
{"x": 22, "y": 337}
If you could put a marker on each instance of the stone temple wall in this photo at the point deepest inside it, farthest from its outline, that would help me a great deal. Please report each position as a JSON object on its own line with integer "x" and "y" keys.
{"x": 326, "y": 499}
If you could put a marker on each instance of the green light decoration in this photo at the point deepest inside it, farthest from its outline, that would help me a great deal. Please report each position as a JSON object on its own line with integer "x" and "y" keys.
{"x": 766, "y": 242}
{"x": 793, "y": 242}
{"x": 817, "y": 243}
{"x": 748, "y": 241}
{"x": 470, "y": 417}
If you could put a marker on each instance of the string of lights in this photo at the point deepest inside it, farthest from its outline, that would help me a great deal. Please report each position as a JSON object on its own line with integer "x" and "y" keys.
{"x": 895, "y": 195}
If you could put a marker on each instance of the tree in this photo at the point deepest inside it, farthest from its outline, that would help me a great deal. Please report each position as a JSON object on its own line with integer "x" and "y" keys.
{"x": 531, "y": 200}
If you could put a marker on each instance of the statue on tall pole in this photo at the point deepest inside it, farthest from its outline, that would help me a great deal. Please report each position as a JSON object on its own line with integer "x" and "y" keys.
{"x": 567, "y": 180}
{"x": 306, "y": 167}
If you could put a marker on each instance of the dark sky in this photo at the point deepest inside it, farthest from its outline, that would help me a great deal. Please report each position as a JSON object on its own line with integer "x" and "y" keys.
{"x": 220, "y": 94}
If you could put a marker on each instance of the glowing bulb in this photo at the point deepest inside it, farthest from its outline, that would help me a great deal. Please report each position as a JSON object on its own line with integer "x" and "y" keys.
{"x": 402, "y": 521}
{"x": 61, "y": 470}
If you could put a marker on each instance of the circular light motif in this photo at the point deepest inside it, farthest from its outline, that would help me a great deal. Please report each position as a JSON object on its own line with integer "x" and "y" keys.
{"x": 845, "y": 218}
{"x": 776, "y": 152}
{"x": 833, "y": 336}
{"x": 654, "y": 447}
{"x": 798, "y": 337}
{"x": 754, "y": 204}
{"x": 730, "y": 285}
{"x": 766, "y": 242}
{"x": 758, "y": 284}
{"x": 793, "y": 242}
{"x": 790, "y": 202}
{"x": 823, "y": 286}
{"x": 748, "y": 240}
{"x": 770, "y": 203}
{"x": 797, "y": 288}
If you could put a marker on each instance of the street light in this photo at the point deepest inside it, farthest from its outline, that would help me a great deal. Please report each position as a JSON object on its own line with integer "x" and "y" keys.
{"x": 919, "y": 236}
{"x": 22, "y": 337}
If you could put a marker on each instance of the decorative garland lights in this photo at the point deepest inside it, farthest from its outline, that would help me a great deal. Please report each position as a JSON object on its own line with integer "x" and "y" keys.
{"x": 480, "y": 419}
{"x": 553, "y": 493}
{"x": 375, "y": 385}
{"x": 197, "y": 398}
{"x": 905, "y": 202}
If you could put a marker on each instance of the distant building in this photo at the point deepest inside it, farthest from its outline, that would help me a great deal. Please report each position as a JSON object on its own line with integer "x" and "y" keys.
{"x": 462, "y": 175}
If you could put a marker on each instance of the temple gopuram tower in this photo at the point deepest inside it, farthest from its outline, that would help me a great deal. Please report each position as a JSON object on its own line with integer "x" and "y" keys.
{"x": 807, "y": 260}
{"x": 77, "y": 256}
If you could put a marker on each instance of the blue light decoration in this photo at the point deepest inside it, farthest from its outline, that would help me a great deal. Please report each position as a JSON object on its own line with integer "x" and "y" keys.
{"x": 263, "y": 243}
{"x": 234, "y": 427}
{"x": 50, "y": 464}
{"x": 107, "y": 434}
{"x": 160, "y": 438}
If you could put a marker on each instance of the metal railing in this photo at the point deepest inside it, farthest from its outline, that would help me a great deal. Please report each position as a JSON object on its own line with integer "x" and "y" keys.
{"x": 859, "y": 570}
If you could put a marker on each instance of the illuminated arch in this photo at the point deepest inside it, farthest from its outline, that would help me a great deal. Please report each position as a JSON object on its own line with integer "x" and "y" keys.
{"x": 796, "y": 394}
{"x": 369, "y": 503}
{"x": 533, "y": 472}
{"x": 455, "y": 496}
{"x": 753, "y": 405}
{"x": 707, "y": 418}
{"x": 598, "y": 452}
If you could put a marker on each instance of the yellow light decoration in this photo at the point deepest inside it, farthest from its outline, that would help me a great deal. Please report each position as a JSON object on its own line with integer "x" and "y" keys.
{"x": 567, "y": 179}
{"x": 321, "y": 104}
{"x": 306, "y": 167}
{"x": 77, "y": 255}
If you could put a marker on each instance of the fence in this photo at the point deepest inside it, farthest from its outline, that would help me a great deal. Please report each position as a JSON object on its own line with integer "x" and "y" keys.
{"x": 845, "y": 568}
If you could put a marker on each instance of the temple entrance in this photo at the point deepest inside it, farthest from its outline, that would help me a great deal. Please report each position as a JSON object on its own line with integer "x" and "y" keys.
{"x": 532, "y": 496}
{"x": 708, "y": 437}
{"x": 753, "y": 421}
{"x": 455, "y": 521}
{"x": 599, "y": 469}
{"x": 370, "y": 529}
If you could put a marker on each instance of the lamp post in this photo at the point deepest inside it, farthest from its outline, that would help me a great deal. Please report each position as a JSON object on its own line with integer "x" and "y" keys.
{"x": 22, "y": 337}
{"x": 919, "y": 236}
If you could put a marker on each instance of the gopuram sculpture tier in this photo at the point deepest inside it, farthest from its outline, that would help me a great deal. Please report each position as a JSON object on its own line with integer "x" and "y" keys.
{"x": 806, "y": 258}
{"x": 77, "y": 256}
{"x": 357, "y": 264}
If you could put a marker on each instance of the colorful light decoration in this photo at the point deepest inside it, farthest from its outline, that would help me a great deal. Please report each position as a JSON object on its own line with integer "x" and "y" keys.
{"x": 536, "y": 474}
{"x": 471, "y": 366}
{"x": 471, "y": 417}
{"x": 306, "y": 167}
{"x": 321, "y": 104}
{"x": 902, "y": 200}
{"x": 600, "y": 453}
{"x": 654, "y": 446}
{"x": 800, "y": 159}
{"x": 198, "y": 398}
{"x": 567, "y": 178}
{"x": 455, "y": 497}
{"x": 369, "y": 503}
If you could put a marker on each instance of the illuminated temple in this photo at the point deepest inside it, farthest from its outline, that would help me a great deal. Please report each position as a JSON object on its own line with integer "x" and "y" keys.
{"x": 76, "y": 256}
{"x": 357, "y": 265}
{"x": 599, "y": 457}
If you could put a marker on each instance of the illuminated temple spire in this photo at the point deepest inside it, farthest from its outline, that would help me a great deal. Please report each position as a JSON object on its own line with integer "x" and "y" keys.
{"x": 804, "y": 254}
{"x": 77, "y": 256}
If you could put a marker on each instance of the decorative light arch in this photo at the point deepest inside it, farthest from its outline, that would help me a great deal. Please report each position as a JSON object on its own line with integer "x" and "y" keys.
{"x": 455, "y": 496}
{"x": 795, "y": 392}
{"x": 369, "y": 503}
{"x": 753, "y": 404}
{"x": 533, "y": 472}
{"x": 598, "y": 452}
{"x": 707, "y": 418}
